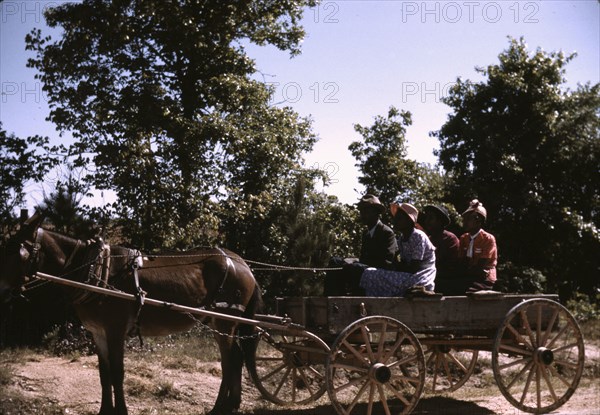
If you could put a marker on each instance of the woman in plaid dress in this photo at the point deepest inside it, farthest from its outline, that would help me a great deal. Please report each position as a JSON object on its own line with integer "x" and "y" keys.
{"x": 414, "y": 264}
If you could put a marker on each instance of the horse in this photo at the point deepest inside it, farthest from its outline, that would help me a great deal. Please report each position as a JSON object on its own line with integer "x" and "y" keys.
{"x": 216, "y": 279}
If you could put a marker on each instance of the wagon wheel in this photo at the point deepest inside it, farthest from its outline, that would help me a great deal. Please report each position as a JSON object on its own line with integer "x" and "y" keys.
{"x": 376, "y": 366}
{"x": 538, "y": 356}
{"x": 448, "y": 368}
{"x": 290, "y": 368}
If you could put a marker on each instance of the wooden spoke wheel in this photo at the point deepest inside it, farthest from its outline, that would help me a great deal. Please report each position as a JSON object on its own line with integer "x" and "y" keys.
{"x": 290, "y": 368}
{"x": 538, "y": 356}
{"x": 376, "y": 366}
{"x": 448, "y": 368}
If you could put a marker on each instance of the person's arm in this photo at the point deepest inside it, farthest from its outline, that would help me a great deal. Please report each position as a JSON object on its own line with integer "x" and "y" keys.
{"x": 486, "y": 259}
{"x": 391, "y": 249}
{"x": 412, "y": 266}
{"x": 419, "y": 261}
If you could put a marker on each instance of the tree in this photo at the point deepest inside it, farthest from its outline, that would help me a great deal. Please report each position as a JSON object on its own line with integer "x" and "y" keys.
{"x": 160, "y": 98}
{"x": 382, "y": 159}
{"x": 529, "y": 148}
{"x": 63, "y": 208}
{"x": 307, "y": 241}
{"x": 22, "y": 160}
{"x": 290, "y": 226}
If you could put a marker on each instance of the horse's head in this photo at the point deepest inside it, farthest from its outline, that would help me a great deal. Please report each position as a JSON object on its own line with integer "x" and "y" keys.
{"x": 18, "y": 258}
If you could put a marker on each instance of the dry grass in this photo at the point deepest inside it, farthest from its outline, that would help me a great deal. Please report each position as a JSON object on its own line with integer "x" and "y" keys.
{"x": 155, "y": 373}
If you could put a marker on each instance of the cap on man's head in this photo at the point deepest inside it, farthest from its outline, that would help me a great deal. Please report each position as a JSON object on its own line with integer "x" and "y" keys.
{"x": 371, "y": 201}
{"x": 407, "y": 208}
{"x": 441, "y": 211}
{"x": 476, "y": 207}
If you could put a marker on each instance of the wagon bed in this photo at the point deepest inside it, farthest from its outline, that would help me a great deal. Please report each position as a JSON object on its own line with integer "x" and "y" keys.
{"x": 478, "y": 314}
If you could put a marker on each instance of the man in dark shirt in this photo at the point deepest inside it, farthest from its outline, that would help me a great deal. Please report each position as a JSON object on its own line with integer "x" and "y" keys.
{"x": 434, "y": 222}
{"x": 377, "y": 250}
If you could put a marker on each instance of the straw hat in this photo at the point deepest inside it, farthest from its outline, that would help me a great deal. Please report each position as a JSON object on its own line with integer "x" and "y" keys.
{"x": 407, "y": 208}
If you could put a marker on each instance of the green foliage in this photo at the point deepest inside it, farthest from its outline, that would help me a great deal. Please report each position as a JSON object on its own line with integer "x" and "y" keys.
{"x": 529, "y": 149}
{"x": 21, "y": 161}
{"x": 68, "y": 339}
{"x": 63, "y": 209}
{"x": 160, "y": 98}
{"x": 386, "y": 172}
{"x": 286, "y": 226}
{"x": 585, "y": 307}
{"x": 519, "y": 279}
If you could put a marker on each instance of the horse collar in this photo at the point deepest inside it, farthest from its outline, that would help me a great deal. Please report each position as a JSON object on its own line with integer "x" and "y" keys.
{"x": 37, "y": 245}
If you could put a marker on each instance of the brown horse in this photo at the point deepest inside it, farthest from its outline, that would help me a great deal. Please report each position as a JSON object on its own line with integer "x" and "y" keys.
{"x": 215, "y": 279}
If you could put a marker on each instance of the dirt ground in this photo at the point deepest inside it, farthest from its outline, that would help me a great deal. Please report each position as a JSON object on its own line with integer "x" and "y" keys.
{"x": 73, "y": 387}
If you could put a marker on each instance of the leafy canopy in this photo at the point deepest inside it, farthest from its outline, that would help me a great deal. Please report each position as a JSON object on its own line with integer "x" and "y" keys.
{"x": 160, "y": 98}
{"x": 529, "y": 148}
{"x": 22, "y": 160}
{"x": 385, "y": 169}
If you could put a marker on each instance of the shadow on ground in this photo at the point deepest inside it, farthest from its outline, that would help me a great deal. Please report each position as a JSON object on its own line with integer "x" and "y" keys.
{"x": 435, "y": 405}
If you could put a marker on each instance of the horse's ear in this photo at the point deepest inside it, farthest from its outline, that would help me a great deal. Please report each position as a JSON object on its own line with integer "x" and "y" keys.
{"x": 30, "y": 225}
{"x": 35, "y": 220}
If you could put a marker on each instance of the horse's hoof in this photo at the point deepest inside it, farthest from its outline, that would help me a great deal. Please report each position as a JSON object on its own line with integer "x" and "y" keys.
{"x": 222, "y": 411}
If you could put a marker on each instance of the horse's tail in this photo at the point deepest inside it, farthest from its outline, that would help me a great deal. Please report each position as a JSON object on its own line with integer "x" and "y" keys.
{"x": 248, "y": 334}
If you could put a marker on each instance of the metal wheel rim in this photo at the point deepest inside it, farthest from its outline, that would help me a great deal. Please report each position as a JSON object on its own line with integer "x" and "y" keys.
{"x": 376, "y": 366}
{"x": 450, "y": 370}
{"x": 286, "y": 373}
{"x": 538, "y": 368}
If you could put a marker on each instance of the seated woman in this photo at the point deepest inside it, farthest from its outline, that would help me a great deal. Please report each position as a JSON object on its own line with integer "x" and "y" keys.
{"x": 414, "y": 264}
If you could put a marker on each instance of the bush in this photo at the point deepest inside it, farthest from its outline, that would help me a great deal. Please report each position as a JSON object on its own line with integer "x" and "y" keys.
{"x": 583, "y": 307}
{"x": 69, "y": 338}
{"x": 519, "y": 279}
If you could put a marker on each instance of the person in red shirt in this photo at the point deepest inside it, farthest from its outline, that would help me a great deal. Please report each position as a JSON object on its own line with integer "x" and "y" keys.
{"x": 478, "y": 251}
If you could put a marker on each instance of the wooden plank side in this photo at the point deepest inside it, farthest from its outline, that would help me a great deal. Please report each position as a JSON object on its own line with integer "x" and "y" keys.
{"x": 459, "y": 315}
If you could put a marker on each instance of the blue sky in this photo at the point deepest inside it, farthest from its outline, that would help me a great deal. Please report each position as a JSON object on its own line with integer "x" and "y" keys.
{"x": 359, "y": 58}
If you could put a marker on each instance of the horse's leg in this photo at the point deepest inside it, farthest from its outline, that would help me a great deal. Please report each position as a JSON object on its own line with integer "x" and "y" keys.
{"x": 116, "y": 352}
{"x": 235, "y": 380}
{"x": 106, "y": 407}
{"x": 230, "y": 391}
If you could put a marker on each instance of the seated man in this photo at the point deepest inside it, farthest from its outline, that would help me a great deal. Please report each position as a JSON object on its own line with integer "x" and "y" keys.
{"x": 435, "y": 220}
{"x": 478, "y": 252}
{"x": 414, "y": 263}
{"x": 377, "y": 250}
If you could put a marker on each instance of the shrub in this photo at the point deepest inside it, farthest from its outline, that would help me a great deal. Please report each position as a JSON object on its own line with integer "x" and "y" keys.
{"x": 69, "y": 338}
{"x": 583, "y": 307}
{"x": 519, "y": 279}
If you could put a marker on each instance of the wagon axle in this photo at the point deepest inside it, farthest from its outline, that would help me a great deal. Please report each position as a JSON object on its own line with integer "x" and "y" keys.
{"x": 543, "y": 356}
{"x": 380, "y": 373}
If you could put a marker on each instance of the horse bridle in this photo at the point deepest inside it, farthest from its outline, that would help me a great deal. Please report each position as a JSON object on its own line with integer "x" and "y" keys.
{"x": 34, "y": 249}
{"x": 34, "y": 254}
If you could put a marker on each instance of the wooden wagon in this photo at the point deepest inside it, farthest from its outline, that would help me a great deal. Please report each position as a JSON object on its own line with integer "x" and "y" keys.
{"x": 378, "y": 355}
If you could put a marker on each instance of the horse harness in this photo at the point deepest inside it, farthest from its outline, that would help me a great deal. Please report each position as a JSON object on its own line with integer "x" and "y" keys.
{"x": 99, "y": 262}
